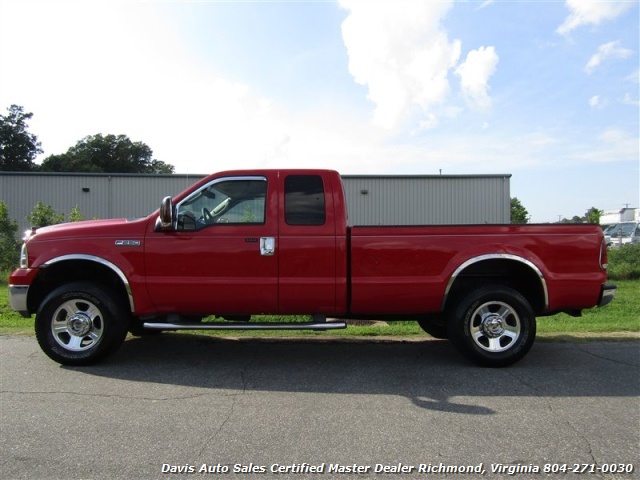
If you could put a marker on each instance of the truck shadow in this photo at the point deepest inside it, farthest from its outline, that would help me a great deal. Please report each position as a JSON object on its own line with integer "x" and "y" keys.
{"x": 430, "y": 373}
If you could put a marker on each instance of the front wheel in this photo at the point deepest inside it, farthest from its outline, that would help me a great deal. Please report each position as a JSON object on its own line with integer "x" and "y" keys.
{"x": 494, "y": 326}
{"x": 80, "y": 324}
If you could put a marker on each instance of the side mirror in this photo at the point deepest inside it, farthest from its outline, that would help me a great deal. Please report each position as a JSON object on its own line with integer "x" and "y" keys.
{"x": 166, "y": 214}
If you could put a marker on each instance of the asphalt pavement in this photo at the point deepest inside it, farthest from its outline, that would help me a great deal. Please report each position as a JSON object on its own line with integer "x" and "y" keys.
{"x": 190, "y": 406}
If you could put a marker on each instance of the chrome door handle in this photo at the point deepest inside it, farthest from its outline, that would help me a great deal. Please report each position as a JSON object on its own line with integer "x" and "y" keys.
{"x": 267, "y": 246}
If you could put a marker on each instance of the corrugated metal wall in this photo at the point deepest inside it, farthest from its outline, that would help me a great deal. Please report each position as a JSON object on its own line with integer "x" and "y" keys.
{"x": 433, "y": 200}
{"x": 96, "y": 195}
{"x": 389, "y": 200}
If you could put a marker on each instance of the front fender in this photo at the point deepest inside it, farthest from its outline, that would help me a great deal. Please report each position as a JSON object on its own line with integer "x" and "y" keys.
{"x": 102, "y": 261}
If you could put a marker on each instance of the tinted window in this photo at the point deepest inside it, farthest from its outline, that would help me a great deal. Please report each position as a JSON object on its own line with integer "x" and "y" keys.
{"x": 304, "y": 200}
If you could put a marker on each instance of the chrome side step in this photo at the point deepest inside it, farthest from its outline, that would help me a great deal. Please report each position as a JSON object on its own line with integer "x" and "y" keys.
{"x": 246, "y": 326}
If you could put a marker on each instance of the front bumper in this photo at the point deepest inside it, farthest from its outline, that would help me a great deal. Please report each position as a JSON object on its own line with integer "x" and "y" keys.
{"x": 19, "y": 282}
{"x": 18, "y": 299}
{"x": 607, "y": 293}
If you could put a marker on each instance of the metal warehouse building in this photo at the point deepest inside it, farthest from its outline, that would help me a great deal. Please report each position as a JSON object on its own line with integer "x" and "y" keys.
{"x": 371, "y": 199}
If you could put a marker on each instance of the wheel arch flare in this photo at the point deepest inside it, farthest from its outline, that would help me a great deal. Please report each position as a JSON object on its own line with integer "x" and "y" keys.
{"x": 512, "y": 270}
{"x": 76, "y": 267}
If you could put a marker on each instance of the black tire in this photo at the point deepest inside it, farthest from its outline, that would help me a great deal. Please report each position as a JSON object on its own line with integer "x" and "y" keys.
{"x": 435, "y": 325}
{"x": 494, "y": 326}
{"x": 81, "y": 323}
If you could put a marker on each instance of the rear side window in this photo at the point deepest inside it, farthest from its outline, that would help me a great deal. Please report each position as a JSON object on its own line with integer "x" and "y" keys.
{"x": 304, "y": 200}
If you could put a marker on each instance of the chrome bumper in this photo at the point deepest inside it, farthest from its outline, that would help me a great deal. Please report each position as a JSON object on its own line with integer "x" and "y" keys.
{"x": 606, "y": 294}
{"x": 18, "y": 299}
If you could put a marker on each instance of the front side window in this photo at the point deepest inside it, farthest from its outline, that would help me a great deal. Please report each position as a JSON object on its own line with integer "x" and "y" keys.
{"x": 304, "y": 202}
{"x": 234, "y": 201}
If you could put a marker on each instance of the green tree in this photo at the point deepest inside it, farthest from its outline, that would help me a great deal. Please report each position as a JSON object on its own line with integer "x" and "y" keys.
{"x": 106, "y": 154}
{"x": 158, "y": 166}
{"x": 593, "y": 215}
{"x": 18, "y": 147}
{"x": 43, "y": 215}
{"x": 574, "y": 219}
{"x": 76, "y": 215}
{"x": 519, "y": 214}
{"x": 8, "y": 245}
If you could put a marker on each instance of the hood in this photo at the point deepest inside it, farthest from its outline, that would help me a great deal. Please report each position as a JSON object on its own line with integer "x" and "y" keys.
{"x": 90, "y": 228}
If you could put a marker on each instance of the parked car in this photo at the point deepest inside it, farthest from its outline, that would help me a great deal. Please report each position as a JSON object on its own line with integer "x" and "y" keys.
{"x": 606, "y": 230}
{"x": 624, "y": 233}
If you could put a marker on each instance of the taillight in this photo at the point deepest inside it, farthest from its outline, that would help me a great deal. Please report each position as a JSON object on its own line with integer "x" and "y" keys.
{"x": 604, "y": 259}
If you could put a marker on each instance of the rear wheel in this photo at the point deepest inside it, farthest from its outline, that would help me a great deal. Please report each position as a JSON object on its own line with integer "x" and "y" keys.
{"x": 80, "y": 323}
{"x": 494, "y": 326}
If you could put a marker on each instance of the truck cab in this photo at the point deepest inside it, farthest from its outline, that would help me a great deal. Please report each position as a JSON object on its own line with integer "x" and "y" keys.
{"x": 227, "y": 237}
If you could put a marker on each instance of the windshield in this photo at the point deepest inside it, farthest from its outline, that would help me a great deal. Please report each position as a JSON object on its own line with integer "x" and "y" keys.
{"x": 621, "y": 229}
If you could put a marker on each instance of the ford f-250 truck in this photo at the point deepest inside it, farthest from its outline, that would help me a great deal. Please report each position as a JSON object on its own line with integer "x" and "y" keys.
{"x": 243, "y": 243}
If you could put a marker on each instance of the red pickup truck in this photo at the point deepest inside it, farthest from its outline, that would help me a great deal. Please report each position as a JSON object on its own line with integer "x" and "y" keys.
{"x": 243, "y": 243}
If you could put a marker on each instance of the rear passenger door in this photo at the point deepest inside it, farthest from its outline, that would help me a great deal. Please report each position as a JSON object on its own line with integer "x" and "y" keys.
{"x": 307, "y": 245}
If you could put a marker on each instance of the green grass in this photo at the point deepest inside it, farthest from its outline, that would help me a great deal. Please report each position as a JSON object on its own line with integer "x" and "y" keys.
{"x": 624, "y": 262}
{"x": 621, "y": 315}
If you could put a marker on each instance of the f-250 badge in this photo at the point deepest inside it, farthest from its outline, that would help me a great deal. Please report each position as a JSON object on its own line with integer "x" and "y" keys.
{"x": 128, "y": 243}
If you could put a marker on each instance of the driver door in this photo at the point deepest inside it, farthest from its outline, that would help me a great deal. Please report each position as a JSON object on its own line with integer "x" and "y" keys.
{"x": 219, "y": 259}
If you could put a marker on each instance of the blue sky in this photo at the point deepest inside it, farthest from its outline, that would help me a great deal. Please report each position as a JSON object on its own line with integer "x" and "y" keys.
{"x": 547, "y": 91}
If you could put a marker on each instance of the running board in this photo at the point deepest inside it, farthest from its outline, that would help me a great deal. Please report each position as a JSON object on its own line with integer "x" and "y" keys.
{"x": 246, "y": 326}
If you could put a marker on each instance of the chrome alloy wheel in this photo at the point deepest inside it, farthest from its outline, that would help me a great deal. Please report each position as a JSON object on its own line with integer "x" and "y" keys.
{"x": 495, "y": 326}
{"x": 77, "y": 325}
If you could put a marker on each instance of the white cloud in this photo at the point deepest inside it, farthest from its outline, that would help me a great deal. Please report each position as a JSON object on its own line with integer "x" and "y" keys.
{"x": 139, "y": 80}
{"x": 605, "y": 52}
{"x": 485, "y": 4}
{"x": 612, "y": 145}
{"x": 629, "y": 100}
{"x": 143, "y": 81}
{"x": 613, "y": 135}
{"x": 430, "y": 121}
{"x": 633, "y": 77}
{"x": 474, "y": 76}
{"x": 400, "y": 51}
{"x": 592, "y": 12}
{"x": 619, "y": 145}
{"x": 594, "y": 101}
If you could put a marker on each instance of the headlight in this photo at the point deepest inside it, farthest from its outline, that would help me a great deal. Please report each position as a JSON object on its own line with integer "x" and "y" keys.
{"x": 24, "y": 256}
